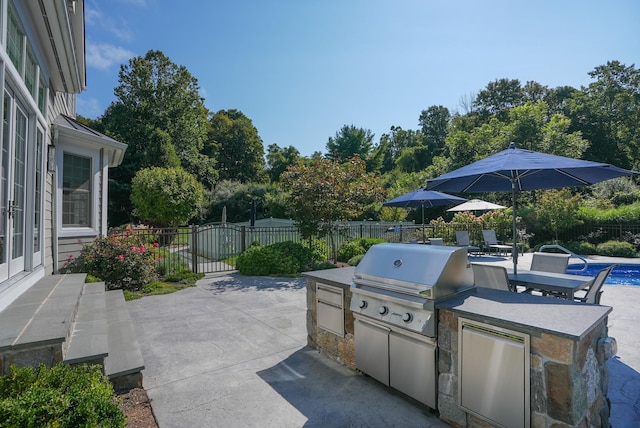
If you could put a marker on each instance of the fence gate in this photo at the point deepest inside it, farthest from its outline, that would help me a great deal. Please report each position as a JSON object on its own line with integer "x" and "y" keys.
{"x": 211, "y": 245}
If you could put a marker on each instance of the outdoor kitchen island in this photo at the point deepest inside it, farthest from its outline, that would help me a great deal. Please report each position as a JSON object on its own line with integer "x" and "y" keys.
{"x": 503, "y": 358}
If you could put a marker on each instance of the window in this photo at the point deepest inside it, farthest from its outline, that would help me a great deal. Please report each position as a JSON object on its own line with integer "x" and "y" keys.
{"x": 31, "y": 73}
{"x": 15, "y": 39}
{"x": 76, "y": 191}
{"x": 42, "y": 96}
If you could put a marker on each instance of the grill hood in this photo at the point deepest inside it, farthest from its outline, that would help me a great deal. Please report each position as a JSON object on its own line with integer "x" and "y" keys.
{"x": 431, "y": 271}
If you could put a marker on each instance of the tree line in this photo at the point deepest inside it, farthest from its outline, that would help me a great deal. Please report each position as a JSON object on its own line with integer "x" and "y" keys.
{"x": 160, "y": 114}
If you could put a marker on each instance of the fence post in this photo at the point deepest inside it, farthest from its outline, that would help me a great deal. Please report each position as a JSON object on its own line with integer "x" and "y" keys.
{"x": 194, "y": 247}
{"x": 243, "y": 237}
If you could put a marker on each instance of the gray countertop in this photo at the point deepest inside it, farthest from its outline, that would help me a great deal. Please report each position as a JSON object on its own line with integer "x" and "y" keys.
{"x": 339, "y": 276}
{"x": 546, "y": 314}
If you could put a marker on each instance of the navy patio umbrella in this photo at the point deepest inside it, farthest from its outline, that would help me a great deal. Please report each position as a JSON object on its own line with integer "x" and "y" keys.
{"x": 516, "y": 170}
{"x": 422, "y": 198}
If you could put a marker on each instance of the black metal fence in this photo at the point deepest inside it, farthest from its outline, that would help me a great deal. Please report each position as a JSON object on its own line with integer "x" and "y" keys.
{"x": 212, "y": 247}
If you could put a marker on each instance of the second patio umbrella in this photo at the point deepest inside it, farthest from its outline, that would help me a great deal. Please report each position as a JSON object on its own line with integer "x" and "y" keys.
{"x": 516, "y": 170}
{"x": 422, "y": 198}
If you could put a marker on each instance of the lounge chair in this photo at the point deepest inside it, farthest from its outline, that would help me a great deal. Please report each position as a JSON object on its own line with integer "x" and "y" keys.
{"x": 490, "y": 276}
{"x": 492, "y": 243}
{"x": 594, "y": 291}
{"x": 550, "y": 262}
{"x": 462, "y": 240}
{"x": 436, "y": 241}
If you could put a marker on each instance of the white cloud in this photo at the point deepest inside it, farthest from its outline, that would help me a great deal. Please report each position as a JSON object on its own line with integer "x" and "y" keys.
{"x": 105, "y": 55}
{"x": 88, "y": 107}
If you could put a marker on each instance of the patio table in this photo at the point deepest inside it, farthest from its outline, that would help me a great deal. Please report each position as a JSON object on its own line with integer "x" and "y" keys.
{"x": 548, "y": 282}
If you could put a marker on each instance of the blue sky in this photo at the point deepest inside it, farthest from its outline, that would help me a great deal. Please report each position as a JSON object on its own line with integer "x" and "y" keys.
{"x": 301, "y": 69}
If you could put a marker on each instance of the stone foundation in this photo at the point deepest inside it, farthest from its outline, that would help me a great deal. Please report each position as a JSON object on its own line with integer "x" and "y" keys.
{"x": 341, "y": 349}
{"x": 568, "y": 380}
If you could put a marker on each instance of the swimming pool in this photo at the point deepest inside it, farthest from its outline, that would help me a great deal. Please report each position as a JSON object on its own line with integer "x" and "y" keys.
{"x": 624, "y": 274}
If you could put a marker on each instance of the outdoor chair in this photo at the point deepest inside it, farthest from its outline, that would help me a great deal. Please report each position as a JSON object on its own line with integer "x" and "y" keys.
{"x": 436, "y": 241}
{"x": 492, "y": 243}
{"x": 547, "y": 262}
{"x": 490, "y": 276}
{"x": 550, "y": 262}
{"x": 462, "y": 240}
{"x": 594, "y": 291}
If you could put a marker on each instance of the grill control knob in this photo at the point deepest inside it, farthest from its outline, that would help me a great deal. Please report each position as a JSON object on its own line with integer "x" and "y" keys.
{"x": 383, "y": 310}
{"x": 407, "y": 317}
{"x": 363, "y": 304}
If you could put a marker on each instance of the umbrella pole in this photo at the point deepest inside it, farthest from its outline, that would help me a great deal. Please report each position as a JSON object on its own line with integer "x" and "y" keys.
{"x": 514, "y": 249}
{"x": 424, "y": 241}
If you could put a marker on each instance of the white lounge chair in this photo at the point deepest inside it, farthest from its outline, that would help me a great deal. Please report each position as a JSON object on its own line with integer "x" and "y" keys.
{"x": 492, "y": 243}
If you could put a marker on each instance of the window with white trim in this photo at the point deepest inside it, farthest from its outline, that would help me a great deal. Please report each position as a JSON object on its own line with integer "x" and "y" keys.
{"x": 76, "y": 191}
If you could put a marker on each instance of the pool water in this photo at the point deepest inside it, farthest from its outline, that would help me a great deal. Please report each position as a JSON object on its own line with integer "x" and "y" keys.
{"x": 620, "y": 275}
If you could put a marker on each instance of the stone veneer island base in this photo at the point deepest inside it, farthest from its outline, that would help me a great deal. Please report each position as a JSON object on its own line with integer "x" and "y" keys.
{"x": 567, "y": 344}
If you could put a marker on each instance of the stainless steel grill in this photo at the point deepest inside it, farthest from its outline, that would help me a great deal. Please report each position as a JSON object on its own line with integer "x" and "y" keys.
{"x": 400, "y": 283}
{"x": 394, "y": 293}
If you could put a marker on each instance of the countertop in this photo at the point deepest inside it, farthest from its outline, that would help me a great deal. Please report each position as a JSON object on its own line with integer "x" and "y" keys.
{"x": 546, "y": 314}
{"x": 339, "y": 276}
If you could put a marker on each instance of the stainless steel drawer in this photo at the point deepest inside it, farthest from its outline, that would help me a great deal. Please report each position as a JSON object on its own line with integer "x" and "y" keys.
{"x": 329, "y": 294}
{"x": 329, "y": 301}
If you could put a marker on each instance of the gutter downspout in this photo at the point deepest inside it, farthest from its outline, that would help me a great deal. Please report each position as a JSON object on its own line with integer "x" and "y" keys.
{"x": 54, "y": 206}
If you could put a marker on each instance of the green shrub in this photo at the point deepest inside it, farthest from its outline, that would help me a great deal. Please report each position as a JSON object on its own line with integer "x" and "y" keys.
{"x": 281, "y": 258}
{"x": 168, "y": 263}
{"x": 121, "y": 260}
{"x": 60, "y": 396}
{"x": 616, "y": 249}
{"x": 349, "y": 250}
{"x": 580, "y": 247}
{"x": 265, "y": 261}
{"x": 355, "y": 247}
{"x": 353, "y": 261}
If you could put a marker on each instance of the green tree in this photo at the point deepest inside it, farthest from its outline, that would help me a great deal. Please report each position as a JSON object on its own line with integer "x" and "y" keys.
{"x": 166, "y": 197}
{"x": 607, "y": 113}
{"x": 278, "y": 159}
{"x": 235, "y": 144}
{"x": 349, "y": 142}
{"x": 326, "y": 191}
{"x": 157, "y": 103}
{"x": 558, "y": 211}
{"x": 434, "y": 123}
{"x": 498, "y": 98}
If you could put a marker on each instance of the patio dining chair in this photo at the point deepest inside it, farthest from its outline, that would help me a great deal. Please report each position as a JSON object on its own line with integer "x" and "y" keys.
{"x": 547, "y": 262}
{"x": 492, "y": 243}
{"x": 550, "y": 262}
{"x": 436, "y": 241}
{"x": 490, "y": 276}
{"x": 594, "y": 291}
{"x": 462, "y": 240}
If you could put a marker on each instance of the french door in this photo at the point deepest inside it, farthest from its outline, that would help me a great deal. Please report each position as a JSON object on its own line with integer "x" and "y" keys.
{"x": 13, "y": 189}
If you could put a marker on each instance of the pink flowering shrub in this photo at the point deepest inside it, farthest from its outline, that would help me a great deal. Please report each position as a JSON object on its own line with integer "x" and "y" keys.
{"x": 121, "y": 260}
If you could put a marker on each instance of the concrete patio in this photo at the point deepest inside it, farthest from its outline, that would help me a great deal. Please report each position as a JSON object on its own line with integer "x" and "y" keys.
{"x": 232, "y": 352}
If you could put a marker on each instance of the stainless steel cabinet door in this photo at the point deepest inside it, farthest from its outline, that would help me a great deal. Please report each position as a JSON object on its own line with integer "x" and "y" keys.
{"x": 372, "y": 350}
{"x": 412, "y": 368}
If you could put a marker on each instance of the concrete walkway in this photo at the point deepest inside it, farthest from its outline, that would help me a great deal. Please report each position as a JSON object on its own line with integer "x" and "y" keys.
{"x": 232, "y": 352}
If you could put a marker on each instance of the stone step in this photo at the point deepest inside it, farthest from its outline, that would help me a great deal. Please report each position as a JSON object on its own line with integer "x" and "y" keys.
{"x": 88, "y": 342}
{"x": 42, "y": 314}
{"x": 124, "y": 364}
